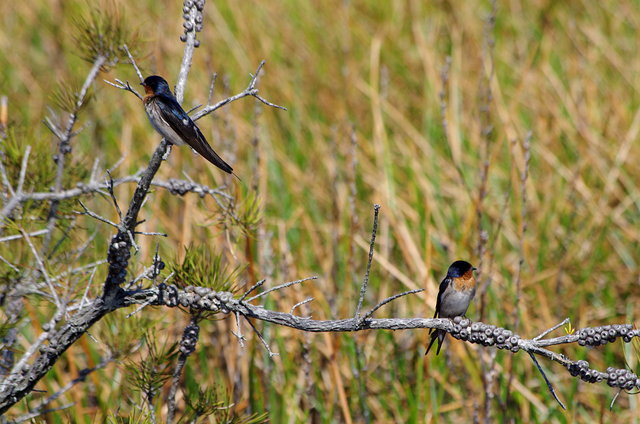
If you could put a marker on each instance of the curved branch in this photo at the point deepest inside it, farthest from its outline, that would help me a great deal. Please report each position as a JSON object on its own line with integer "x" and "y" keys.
{"x": 206, "y": 300}
{"x": 201, "y": 298}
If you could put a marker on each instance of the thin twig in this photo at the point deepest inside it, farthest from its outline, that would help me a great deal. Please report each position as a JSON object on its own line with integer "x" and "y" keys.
{"x": 86, "y": 290}
{"x": 239, "y": 335}
{"x": 79, "y": 269}
{"x": 251, "y": 90}
{"x": 546, "y": 380}
{"x": 94, "y": 170}
{"x": 123, "y": 86}
{"x": 252, "y": 288}
{"x": 5, "y": 181}
{"x": 13, "y": 267}
{"x": 42, "y": 270}
{"x": 23, "y": 168}
{"x": 555, "y": 327}
{"x": 150, "y": 233}
{"x": 214, "y": 77}
{"x": 196, "y": 107}
{"x": 139, "y": 308}
{"x": 281, "y": 286}
{"x": 152, "y": 412}
{"x": 34, "y": 414}
{"x": 521, "y": 245}
{"x": 96, "y": 216}
{"x": 372, "y": 244}
{"x": 387, "y": 300}
{"x": 615, "y": 397}
{"x": 488, "y": 367}
{"x": 264, "y": 342}
{"x": 113, "y": 196}
{"x": 19, "y": 236}
{"x": 307, "y": 300}
{"x": 133, "y": 62}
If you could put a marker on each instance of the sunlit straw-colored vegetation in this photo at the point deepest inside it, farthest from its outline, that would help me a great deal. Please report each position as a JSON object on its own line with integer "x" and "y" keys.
{"x": 508, "y": 138}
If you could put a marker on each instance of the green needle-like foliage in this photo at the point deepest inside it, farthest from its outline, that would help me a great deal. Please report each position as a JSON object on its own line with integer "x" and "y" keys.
{"x": 124, "y": 336}
{"x": 212, "y": 402}
{"x": 148, "y": 375}
{"x": 202, "y": 268}
{"x": 65, "y": 96}
{"x": 102, "y": 34}
{"x": 135, "y": 417}
{"x": 242, "y": 217}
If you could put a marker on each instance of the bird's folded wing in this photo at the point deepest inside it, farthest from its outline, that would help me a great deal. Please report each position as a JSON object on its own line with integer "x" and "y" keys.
{"x": 182, "y": 124}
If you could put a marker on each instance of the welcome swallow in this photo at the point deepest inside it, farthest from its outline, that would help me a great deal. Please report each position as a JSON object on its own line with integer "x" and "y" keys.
{"x": 172, "y": 122}
{"x": 455, "y": 294}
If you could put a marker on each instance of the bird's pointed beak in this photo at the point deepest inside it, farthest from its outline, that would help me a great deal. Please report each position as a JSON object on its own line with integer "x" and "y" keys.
{"x": 473, "y": 268}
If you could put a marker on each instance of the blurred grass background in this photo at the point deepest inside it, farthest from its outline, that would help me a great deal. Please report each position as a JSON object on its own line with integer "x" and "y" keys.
{"x": 422, "y": 107}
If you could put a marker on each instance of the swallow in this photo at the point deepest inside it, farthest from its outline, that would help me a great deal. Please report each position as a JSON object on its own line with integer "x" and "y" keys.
{"x": 455, "y": 294}
{"x": 172, "y": 122}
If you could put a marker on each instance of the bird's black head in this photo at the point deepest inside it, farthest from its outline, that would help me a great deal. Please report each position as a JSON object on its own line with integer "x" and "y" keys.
{"x": 459, "y": 268}
{"x": 156, "y": 85}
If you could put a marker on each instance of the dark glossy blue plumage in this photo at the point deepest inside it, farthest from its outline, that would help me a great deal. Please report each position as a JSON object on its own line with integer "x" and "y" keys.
{"x": 172, "y": 122}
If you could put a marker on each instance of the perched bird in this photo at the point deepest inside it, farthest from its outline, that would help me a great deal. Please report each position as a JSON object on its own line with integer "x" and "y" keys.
{"x": 455, "y": 294}
{"x": 173, "y": 123}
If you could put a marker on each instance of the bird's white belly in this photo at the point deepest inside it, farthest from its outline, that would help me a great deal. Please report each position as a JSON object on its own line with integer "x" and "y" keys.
{"x": 163, "y": 128}
{"x": 455, "y": 303}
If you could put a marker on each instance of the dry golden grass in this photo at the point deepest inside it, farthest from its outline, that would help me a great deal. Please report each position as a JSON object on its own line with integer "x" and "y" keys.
{"x": 565, "y": 71}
